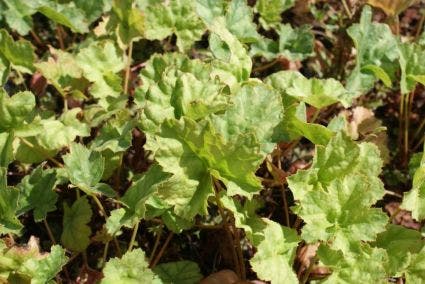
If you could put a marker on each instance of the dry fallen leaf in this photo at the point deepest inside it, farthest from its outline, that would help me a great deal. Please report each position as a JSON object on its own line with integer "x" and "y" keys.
{"x": 391, "y": 7}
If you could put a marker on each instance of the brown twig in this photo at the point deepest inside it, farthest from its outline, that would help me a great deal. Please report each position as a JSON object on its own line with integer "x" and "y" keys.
{"x": 161, "y": 252}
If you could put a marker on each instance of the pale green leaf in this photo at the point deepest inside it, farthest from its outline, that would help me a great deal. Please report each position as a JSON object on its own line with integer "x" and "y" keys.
{"x": 174, "y": 17}
{"x": 18, "y": 16}
{"x": 336, "y": 194}
{"x": 6, "y": 150}
{"x": 276, "y": 249}
{"x": 412, "y": 69}
{"x": 270, "y": 11}
{"x": 27, "y": 264}
{"x": 414, "y": 200}
{"x": 45, "y": 269}
{"x": 101, "y": 61}
{"x": 376, "y": 46}
{"x": 62, "y": 71}
{"x": 19, "y": 54}
{"x": 132, "y": 268}
{"x": 400, "y": 243}
{"x": 9, "y": 197}
{"x": 293, "y": 44}
{"x": 67, "y": 14}
{"x": 361, "y": 264}
{"x": 76, "y": 233}
{"x": 128, "y": 20}
{"x": 14, "y": 110}
{"x": 84, "y": 167}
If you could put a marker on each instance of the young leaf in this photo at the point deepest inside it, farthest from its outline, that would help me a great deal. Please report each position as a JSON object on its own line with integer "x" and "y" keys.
{"x": 67, "y": 14}
{"x": 336, "y": 194}
{"x": 361, "y": 264}
{"x": 175, "y": 17}
{"x": 182, "y": 272}
{"x": 76, "y": 233}
{"x": 101, "y": 61}
{"x": 276, "y": 249}
{"x": 131, "y": 268}
{"x": 37, "y": 193}
{"x": 84, "y": 167}
{"x": 401, "y": 245}
{"x": 19, "y": 54}
{"x": 375, "y": 45}
{"x": 9, "y": 222}
{"x": 14, "y": 110}
{"x": 129, "y": 21}
{"x": 27, "y": 264}
{"x": 6, "y": 150}
{"x": 18, "y": 16}
{"x": 293, "y": 44}
{"x": 62, "y": 71}
{"x": 45, "y": 269}
{"x": 270, "y": 11}
{"x": 414, "y": 200}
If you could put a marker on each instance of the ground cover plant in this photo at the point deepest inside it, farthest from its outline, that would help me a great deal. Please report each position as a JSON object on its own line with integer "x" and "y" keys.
{"x": 212, "y": 141}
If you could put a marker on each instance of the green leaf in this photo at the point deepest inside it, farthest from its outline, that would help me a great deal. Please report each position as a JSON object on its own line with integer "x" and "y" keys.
{"x": 415, "y": 273}
{"x": 293, "y": 44}
{"x": 93, "y": 9}
{"x": 270, "y": 11}
{"x": 62, "y": 71}
{"x": 14, "y": 110}
{"x": 376, "y": 46}
{"x": 175, "y": 17}
{"x": 132, "y": 268}
{"x": 319, "y": 92}
{"x": 76, "y": 233}
{"x": 18, "y": 16}
{"x": 336, "y": 194}
{"x": 239, "y": 21}
{"x": 19, "y": 54}
{"x": 101, "y": 61}
{"x": 115, "y": 135}
{"x": 181, "y": 272}
{"x": 361, "y": 264}
{"x": 276, "y": 249}
{"x": 84, "y": 167}
{"x": 6, "y": 150}
{"x": 236, "y": 63}
{"x": 412, "y": 69}
{"x": 45, "y": 269}
{"x": 128, "y": 21}
{"x": 67, "y": 14}
{"x": 27, "y": 264}
{"x": 243, "y": 116}
{"x": 37, "y": 192}
{"x": 136, "y": 196}
{"x": 401, "y": 244}
{"x": 414, "y": 200}
{"x": 9, "y": 196}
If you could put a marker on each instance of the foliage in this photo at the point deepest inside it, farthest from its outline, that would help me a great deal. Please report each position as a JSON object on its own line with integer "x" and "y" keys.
{"x": 123, "y": 121}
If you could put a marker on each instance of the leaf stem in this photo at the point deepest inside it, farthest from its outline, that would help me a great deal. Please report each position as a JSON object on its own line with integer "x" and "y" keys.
{"x": 49, "y": 231}
{"x": 155, "y": 246}
{"x": 133, "y": 236}
{"x": 59, "y": 37}
{"x": 236, "y": 255}
{"x": 161, "y": 252}
{"x": 265, "y": 66}
{"x": 105, "y": 254}
{"x": 128, "y": 68}
{"x": 347, "y": 9}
